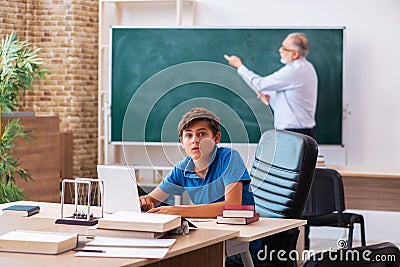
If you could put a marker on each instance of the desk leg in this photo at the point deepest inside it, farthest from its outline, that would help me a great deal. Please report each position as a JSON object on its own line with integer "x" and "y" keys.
{"x": 246, "y": 259}
{"x": 234, "y": 247}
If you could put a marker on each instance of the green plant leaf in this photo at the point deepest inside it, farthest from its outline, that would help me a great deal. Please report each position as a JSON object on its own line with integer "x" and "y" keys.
{"x": 10, "y": 193}
{"x": 20, "y": 68}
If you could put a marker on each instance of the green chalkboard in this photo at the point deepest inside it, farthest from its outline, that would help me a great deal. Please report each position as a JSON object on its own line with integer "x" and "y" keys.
{"x": 158, "y": 74}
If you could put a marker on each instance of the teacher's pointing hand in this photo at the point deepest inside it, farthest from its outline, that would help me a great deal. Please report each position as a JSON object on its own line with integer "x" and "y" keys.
{"x": 234, "y": 61}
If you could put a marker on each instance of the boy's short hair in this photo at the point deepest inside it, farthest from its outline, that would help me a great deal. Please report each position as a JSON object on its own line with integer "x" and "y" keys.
{"x": 196, "y": 114}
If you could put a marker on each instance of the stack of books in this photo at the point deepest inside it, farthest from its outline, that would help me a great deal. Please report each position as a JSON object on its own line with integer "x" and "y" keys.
{"x": 39, "y": 242}
{"x": 320, "y": 162}
{"x": 135, "y": 225}
{"x": 96, "y": 231}
{"x": 127, "y": 234}
{"x": 238, "y": 214}
{"x": 21, "y": 210}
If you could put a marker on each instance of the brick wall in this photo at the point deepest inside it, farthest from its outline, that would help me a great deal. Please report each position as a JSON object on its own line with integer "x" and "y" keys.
{"x": 66, "y": 31}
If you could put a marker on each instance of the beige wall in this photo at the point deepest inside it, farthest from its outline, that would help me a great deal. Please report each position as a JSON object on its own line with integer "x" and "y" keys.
{"x": 66, "y": 31}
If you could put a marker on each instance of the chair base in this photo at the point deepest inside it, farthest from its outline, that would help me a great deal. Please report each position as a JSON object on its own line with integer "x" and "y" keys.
{"x": 348, "y": 220}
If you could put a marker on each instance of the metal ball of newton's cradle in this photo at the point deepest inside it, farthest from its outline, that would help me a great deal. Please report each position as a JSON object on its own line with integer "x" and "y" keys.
{"x": 82, "y": 214}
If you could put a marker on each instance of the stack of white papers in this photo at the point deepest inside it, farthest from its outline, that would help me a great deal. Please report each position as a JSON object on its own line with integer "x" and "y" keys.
{"x": 131, "y": 242}
{"x": 123, "y": 252}
{"x": 126, "y": 248}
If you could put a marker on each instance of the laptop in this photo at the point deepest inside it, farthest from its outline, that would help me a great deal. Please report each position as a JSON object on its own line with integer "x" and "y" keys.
{"x": 120, "y": 188}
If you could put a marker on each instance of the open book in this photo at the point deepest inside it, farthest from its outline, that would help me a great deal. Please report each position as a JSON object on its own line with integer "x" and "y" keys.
{"x": 37, "y": 242}
{"x": 138, "y": 221}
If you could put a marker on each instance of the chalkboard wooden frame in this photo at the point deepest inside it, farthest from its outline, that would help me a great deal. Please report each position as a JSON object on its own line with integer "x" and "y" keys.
{"x": 258, "y": 49}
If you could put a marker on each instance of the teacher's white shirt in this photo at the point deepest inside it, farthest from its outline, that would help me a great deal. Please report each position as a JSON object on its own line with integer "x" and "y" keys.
{"x": 292, "y": 90}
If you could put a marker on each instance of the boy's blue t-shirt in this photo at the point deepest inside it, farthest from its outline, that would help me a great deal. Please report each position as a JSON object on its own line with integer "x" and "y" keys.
{"x": 225, "y": 167}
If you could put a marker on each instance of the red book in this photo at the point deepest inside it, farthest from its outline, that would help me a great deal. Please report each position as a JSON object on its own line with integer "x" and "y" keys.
{"x": 225, "y": 220}
{"x": 235, "y": 211}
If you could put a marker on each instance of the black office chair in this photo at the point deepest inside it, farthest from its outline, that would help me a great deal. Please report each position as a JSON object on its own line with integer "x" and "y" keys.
{"x": 282, "y": 174}
{"x": 326, "y": 206}
{"x": 378, "y": 255}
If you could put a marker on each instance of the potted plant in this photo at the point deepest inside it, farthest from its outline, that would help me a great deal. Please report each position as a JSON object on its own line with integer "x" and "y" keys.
{"x": 20, "y": 68}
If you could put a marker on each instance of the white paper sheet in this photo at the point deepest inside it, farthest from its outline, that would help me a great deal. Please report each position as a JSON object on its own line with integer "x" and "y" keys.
{"x": 131, "y": 242}
{"x": 123, "y": 252}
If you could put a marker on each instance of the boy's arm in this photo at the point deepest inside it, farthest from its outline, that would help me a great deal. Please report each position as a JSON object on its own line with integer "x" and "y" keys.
{"x": 233, "y": 196}
{"x": 151, "y": 200}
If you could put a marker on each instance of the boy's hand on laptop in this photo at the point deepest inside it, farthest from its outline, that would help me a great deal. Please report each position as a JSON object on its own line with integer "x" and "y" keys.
{"x": 146, "y": 202}
{"x": 175, "y": 210}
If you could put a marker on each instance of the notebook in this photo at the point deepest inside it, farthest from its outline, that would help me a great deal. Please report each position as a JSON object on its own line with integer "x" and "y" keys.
{"x": 120, "y": 188}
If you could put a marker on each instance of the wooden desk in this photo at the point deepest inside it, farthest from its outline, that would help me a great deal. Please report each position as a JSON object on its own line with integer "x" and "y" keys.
{"x": 264, "y": 227}
{"x": 200, "y": 246}
{"x": 370, "y": 188}
{"x": 247, "y": 233}
{"x": 204, "y": 245}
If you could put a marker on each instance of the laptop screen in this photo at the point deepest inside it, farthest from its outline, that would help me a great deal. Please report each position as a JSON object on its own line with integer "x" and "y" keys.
{"x": 120, "y": 188}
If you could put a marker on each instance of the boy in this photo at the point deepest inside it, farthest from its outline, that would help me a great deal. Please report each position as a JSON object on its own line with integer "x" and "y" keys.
{"x": 212, "y": 176}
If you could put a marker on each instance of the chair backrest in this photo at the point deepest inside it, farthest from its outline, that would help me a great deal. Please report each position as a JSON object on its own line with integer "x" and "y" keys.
{"x": 282, "y": 173}
{"x": 378, "y": 255}
{"x": 326, "y": 194}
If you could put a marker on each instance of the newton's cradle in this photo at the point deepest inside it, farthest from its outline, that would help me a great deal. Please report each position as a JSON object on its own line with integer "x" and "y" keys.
{"x": 85, "y": 191}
